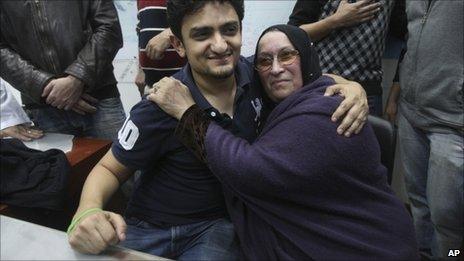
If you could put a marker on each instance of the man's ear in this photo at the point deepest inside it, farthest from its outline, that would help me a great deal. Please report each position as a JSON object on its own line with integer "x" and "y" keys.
{"x": 178, "y": 45}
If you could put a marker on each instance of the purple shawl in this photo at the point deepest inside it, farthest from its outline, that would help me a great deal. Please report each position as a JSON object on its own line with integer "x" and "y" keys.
{"x": 301, "y": 191}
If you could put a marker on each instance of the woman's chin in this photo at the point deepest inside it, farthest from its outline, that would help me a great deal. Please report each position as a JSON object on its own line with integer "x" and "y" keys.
{"x": 279, "y": 96}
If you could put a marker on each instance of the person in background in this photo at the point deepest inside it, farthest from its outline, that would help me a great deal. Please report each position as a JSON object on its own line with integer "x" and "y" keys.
{"x": 177, "y": 209}
{"x": 391, "y": 108}
{"x": 156, "y": 58}
{"x": 14, "y": 121}
{"x": 299, "y": 191}
{"x": 430, "y": 121}
{"x": 59, "y": 55}
{"x": 350, "y": 38}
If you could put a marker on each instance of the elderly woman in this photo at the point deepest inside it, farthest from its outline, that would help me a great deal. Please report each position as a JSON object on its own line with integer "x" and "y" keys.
{"x": 299, "y": 191}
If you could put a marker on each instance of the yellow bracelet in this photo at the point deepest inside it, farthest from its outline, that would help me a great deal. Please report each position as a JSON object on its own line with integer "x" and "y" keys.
{"x": 76, "y": 220}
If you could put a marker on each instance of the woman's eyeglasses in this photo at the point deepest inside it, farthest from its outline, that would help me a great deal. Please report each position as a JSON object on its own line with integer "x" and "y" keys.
{"x": 284, "y": 57}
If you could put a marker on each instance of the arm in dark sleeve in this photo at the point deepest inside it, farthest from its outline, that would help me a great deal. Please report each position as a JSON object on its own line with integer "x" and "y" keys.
{"x": 305, "y": 12}
{"x": 398, "y": 20}
{"x": 100, "y": 50}
{"x": 237, "y": 163}
{"x": 191, "y": 131}
{"x": 20, "y": 73}
{"x": 233, "y": 160}
{"x": 400, "y": 59}
{"x": 397, "y": 74}
{"x": 289, "y": 156}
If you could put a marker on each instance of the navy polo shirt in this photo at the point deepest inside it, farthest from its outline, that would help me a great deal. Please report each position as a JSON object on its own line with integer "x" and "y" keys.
{"x": 175, "y": 187}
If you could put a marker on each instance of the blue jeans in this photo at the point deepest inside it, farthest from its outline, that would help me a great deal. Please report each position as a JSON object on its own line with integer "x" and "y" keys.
{"x": 104, "y": 123}
{"x": 433, "y": 165}
{"x": 375, "y": 105}
{"x": 206, "y": 240}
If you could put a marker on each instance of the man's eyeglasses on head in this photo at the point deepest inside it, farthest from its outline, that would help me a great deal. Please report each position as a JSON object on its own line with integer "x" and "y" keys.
{"x": 284, "y": 57}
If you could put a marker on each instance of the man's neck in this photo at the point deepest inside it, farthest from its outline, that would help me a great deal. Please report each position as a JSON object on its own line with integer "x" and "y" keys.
{"x": 220, "y": 93}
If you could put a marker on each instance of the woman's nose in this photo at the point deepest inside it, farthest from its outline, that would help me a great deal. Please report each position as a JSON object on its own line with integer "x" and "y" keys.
{"x": 276, "y": 66}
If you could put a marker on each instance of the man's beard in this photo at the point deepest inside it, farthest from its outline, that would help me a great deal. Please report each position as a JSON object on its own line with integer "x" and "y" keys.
{"x": 220, "y": 73}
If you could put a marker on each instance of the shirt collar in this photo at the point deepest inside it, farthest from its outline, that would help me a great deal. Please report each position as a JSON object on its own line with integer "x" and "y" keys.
{"x": 243, "y": 76}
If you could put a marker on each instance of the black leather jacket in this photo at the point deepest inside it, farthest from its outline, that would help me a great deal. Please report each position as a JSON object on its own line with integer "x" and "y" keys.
{"x": 42, "y": 39}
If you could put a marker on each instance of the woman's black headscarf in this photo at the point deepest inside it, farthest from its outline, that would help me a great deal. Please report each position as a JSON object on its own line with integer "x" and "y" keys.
{"x": 310, "y": 69}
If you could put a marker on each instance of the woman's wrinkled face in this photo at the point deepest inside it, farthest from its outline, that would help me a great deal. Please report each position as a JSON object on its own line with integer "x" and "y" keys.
{"x": 278, "y": 65}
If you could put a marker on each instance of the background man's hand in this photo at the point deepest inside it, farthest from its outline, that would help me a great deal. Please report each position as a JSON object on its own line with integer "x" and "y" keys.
{"x": 391, "y": 108}
{"x": 64, "y": 92}
{"x": 23, "y": 132}
{"x": 172, "y": 96}
{"x": 354, "y": 105}
{"x": 96, "y": 232}
{"x": 349, "y": 14}
{"x": 158, "y": 45}
{"x": 85, "y": 104}
{"x": 140, "y": 81}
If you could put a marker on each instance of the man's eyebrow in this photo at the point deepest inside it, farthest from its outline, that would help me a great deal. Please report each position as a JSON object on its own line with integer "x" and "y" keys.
{"x": 202, "y": 28}
{"x": 194, "y": 30}
{"x": 232, "y": 23}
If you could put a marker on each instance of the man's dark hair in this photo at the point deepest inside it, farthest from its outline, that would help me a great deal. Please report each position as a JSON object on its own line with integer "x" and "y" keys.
{"x": 178, "y": 9}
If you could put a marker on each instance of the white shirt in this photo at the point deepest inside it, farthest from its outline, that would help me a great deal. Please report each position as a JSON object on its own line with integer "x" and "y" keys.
{"x": 11, "y": 112}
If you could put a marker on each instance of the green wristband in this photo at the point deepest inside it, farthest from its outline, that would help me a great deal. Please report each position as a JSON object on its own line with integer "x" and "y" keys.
{"x": 77, "y": 219}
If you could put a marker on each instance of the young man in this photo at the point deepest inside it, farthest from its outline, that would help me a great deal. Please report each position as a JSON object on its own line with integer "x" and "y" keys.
{"x": 177, "y": 209}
